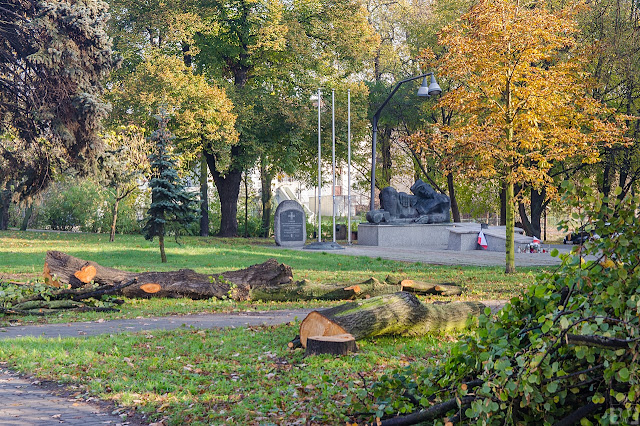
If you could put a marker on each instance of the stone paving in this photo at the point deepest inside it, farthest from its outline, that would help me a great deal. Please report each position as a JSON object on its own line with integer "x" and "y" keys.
{"x": 25, "y": 403}
{"x": 451, "y": 257}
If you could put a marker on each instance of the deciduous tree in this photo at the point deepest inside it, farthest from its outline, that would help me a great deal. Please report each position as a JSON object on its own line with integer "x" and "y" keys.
{"x": 123, "y": 166}
{"x": 524, "y": 97}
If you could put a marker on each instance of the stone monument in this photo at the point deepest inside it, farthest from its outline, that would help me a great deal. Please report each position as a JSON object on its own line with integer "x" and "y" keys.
{"x": 290, "y": 224}
{"x": 424, "y": 206}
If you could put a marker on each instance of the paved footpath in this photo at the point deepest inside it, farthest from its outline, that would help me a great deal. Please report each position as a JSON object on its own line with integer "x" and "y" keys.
{"x": 450, "y": 257}
{"x": 26, "y": 402}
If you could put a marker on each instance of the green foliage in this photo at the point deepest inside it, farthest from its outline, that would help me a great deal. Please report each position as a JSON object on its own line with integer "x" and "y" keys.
{"x": 569, "y": 341}
{"x": 53, "y": 57}
{"x": 11, "y": 293}
{"x": 73, "y": 205}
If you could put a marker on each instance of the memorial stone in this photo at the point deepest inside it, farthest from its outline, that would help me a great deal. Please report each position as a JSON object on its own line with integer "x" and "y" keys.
{"x": 290, "y": 224}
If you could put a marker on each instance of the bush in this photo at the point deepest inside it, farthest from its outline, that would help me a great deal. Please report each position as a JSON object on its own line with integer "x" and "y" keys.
{"x": 73, "y": 205}
{"x": 565, "y": 352}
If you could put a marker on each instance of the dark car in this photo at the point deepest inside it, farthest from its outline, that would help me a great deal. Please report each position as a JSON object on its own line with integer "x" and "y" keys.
{"x": 580, "y": 236}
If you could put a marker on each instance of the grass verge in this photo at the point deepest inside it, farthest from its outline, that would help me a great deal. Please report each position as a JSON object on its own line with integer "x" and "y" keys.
{"x": 232, "y": 376}
{"x": 22, "y": 257}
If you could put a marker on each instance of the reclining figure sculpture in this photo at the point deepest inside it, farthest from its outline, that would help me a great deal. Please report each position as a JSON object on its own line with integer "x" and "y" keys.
{"x": 424, "y": 206}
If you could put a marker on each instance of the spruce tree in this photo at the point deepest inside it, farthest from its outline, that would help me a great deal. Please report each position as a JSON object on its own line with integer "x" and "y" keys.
{"x": 170, "y": 203}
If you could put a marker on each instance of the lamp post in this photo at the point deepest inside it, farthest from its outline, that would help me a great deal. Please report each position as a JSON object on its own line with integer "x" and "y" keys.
{"x": 424, "y": 91}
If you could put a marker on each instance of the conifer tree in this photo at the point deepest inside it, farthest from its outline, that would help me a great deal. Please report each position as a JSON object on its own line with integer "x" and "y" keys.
{"x": 170, "y": 203}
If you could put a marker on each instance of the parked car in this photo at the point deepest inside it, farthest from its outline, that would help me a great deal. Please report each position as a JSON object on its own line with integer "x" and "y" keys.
{"x": 580, "y": 236}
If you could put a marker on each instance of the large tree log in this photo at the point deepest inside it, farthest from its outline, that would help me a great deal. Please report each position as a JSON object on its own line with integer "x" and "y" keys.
{"x": 64, "y": 269}
{"x": 267, "y": 281}
{"x": 399, "y": 313}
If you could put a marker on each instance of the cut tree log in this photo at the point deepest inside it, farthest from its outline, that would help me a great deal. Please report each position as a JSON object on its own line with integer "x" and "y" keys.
{"x": 340, "y": 344}
{"x": 66, "y": 269}
{"x": 420, "y": 287}
{"x": 268, "y": 281}
{"x": 399, "y": 313}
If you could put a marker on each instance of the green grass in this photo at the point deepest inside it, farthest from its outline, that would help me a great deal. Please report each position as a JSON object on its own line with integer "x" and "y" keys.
{"x": 235, "y": 376}
{"x": 231, "y": 376}
{"x": 22, "y": 257}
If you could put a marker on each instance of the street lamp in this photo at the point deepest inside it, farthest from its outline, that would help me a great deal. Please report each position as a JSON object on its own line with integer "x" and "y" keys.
{"x": 433, "y": 89}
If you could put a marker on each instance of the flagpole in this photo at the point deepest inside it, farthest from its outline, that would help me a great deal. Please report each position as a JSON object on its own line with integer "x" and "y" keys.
{"x": 333, "y": 159}
{"x": 349, "y": 166}
{"x": 319, "y": 215}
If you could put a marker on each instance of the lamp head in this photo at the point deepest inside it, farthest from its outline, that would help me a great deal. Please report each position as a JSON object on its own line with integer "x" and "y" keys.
{"x": 423, "y": 91}
{"x": 434, "y": 88}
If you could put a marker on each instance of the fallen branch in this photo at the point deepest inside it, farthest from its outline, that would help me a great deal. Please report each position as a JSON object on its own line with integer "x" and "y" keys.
{"x": 598, "y": 341}
{"x": 431, "y": 413}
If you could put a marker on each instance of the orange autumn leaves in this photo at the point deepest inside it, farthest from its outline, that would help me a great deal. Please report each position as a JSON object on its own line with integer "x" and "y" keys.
{"x": 520, "y": 95}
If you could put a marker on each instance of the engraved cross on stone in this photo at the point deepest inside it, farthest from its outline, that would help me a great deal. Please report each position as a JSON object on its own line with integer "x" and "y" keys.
{"x": 292, "y": 216}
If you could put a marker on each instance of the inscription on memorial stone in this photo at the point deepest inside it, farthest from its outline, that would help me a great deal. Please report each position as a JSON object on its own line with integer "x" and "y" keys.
{"x": 290, "y": 224}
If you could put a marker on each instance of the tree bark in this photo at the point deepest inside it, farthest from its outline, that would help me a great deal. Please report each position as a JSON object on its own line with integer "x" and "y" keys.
{"x": 503, "y": 205}
{"x": 537, "y": 210}
{"x": 398, "y": 313}
{"x": 455, "y": 211}
{"x": 112, "y": 235}
{"x": 267, "y": 281}
{"x": 5, "y": 203}
{"x": 183, "y": 283}
{"x": 228, "y": 187}
{"x": 510, "y": 259}
{"x": 204, "y": 198}
{"x": 266, "y": 197}
{"x": 340, "y": 344}
{"x": 163, "y": 255}
{"x": 28, "y": 212}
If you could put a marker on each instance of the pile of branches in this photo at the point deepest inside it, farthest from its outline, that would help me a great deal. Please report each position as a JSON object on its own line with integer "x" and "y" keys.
{"x": 564, "y": 353}
{"x": 40, "y": 299}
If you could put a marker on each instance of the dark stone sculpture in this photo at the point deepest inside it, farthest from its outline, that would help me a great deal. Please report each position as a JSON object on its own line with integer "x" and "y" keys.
{"x": 424, "y": 206}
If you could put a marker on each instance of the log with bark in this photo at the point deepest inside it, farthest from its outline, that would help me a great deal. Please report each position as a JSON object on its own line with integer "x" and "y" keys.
{"x": 268, "y": 281}
{"x": 399, "y": 313}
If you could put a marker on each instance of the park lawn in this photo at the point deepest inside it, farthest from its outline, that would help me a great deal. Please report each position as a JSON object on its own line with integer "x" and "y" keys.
{"x": 22, "y": 257}
{"x": 242, "y": 376}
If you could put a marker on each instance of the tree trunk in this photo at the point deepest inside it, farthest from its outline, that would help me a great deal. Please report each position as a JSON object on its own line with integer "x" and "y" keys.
{"x": 266, "y": 196}
{"x": 183, "y": 283}
{"x": 163, "y": 255}
{"x": 267, "y": 281}
{"x": 228, "y": 187}
{"x": 28, "y": 212}
{"x": 455, "y": 211}
{"x": 526, "y": 225}
{"x": 510, "y": 259}
{"x": 397, "y": 314}
{"x": 5, "y": 203}
{"x": 204, "y": 198}
{"x": 606, "y": 171}
{"x": 537, "y": 210}
{"x": 384, "y": 136}
{"x": 340, "y": 344}
{"x": 503, "y": 205}
{"x": 114, "y": 210}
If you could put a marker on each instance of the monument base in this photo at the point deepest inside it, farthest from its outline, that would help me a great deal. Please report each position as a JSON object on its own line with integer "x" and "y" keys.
{"x": 437, "y": 236}
{"x": 432, "y": 236}
{"x": 318, "y": 245}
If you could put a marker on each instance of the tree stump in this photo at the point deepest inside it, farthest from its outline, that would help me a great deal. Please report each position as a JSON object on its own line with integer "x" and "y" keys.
{"x": 399, "y": 313}
{"x": 340, "y": 344}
